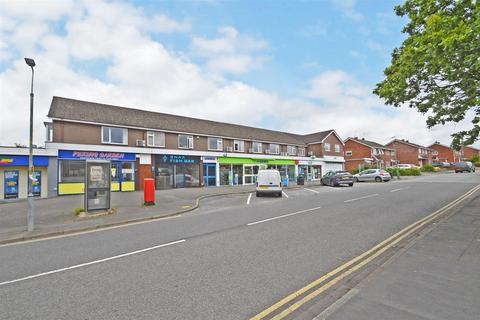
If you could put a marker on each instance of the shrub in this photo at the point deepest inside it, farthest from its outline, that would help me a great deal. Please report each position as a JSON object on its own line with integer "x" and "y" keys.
{"x": 404, "y": 172}
{"x": 475, "y": 159}
{"x": 78, "y": 211}
{"x": 477, "y": 164}
{"x": 428, "y": 168}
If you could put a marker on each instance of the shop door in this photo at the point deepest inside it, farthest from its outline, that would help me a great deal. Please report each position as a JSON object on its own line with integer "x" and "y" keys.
{"x": 209, "y": 177}
{"x": 116, "y": 176}
{"x": 250, "y": 174}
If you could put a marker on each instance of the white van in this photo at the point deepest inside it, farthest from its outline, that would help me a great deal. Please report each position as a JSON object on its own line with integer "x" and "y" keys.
{"x": 269, "y": 181}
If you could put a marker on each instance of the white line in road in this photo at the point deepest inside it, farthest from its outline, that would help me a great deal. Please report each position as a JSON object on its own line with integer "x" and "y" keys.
{"x": 314, "y": 191}
{"x": 395, "y": 190}
{"x": 365, "y": 197}
{"x": 91, "y": 263}
{"x": 286, "y": 195}
{"x": 249, "y": 198}
{"x": 283, "y": 216}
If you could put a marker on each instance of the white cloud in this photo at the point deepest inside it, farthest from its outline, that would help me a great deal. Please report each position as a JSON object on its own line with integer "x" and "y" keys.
{"x": 162, "y": 23}
{"x": 348, "y": 9}
{"x": 231, "y": 52}
{"x": 142, "y": 73}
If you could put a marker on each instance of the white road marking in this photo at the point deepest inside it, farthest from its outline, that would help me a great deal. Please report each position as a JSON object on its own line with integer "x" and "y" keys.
{"x": 283, "y": 216}
{"x": 249, "y": 198}
{"x": 395, "y": 190}
{"x": 365, "y": 197}
{"x": 91, "y": 263}
{"x": 314, "y": 191}
{"x": 286, "y": 195}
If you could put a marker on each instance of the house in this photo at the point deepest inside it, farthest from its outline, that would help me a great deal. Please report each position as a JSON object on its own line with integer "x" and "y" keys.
{"x": 411, "y": 153}
{"x": 360, "y": 153}
{"x": 468, "y": 152}
{"x": 446, "y": 153}
{"x": 177, "y": 151}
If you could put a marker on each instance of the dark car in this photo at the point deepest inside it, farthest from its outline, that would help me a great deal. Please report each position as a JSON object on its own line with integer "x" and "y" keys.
{"x": 336, "y": 178}
{"x": 463, "y": 167}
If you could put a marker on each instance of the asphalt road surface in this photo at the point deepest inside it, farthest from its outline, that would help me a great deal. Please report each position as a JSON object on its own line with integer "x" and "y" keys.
{"x": 230, "y": 259}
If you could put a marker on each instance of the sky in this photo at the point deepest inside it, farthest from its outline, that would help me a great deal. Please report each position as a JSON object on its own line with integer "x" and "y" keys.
{"x": 295, "y": 66}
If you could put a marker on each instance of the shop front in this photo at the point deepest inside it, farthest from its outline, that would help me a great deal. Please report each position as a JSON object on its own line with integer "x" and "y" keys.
{"x": 176, "y": 171}
{"x": 71, "y": 170}
{"x": 210, "y": 170}
{"x": 243, "y": 171}
{"x": 311, "y": 170}
{"x": 14, "y": 181}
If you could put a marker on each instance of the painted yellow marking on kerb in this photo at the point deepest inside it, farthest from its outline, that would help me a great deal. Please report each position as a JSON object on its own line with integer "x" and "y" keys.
{"x": 185, "y": 207}
{"x": 405, "y": 231}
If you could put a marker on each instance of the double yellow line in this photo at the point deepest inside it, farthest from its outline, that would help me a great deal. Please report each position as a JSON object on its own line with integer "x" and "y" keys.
{"x": 330, "y": 279}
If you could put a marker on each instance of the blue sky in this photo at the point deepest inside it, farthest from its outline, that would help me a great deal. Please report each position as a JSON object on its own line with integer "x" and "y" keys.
{"x": 298, "y": 66}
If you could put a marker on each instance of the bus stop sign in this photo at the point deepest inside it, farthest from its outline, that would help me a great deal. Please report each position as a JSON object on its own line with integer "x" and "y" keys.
{"x": 97, "y": 185}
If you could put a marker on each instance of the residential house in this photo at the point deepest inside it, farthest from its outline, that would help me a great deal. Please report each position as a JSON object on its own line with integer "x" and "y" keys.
{"x": 468, "y": 152}
{"x": 360, "y": 153}
{"x": 411, "y": 153}
{"x": 446, "y": 153}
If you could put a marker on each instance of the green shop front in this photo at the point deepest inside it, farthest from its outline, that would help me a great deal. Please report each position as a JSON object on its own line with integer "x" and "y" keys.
{"x": 243, "y": 171}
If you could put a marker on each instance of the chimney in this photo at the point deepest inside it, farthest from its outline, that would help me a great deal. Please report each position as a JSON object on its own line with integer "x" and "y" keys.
{"x": 363, "y": 139}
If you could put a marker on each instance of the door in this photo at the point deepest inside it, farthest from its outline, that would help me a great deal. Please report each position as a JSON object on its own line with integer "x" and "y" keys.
{"x": 209, "y": 175}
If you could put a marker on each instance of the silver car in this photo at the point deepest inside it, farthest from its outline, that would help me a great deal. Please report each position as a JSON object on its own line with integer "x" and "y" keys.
{"x": 377, "y": 175}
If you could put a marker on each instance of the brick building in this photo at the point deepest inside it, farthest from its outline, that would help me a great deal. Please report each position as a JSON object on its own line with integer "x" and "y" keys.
{"x": 468, "y": 152}
{"x": 446, "y": 153}
{"x": 411, "y": 153}
{"x": 360, "y": 153}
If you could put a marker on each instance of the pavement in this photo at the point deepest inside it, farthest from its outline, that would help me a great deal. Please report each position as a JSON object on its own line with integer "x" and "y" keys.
{"x": 232, "y": 258}
{"x": 437, "y": 278}
{"x": 56, "y": 215}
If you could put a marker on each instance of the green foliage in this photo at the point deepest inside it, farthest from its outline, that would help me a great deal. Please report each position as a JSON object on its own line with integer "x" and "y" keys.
{"x": 78, "y": 211}
{"x": 404, "y": 172}
{"x": 428, "y": 168}
{"x": 436, "y": 70}
{"x": 475, "y": 159}
{"x": 477, "y": 164}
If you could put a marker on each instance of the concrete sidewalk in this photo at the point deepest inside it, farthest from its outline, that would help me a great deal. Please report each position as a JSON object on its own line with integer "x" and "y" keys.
{"x": 438, "y": 277}
{"x": 56, "y": 215}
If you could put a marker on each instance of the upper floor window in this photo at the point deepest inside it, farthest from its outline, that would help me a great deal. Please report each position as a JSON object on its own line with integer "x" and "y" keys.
{"x": 257, "y": 147}
{"x": 301, "y": 152}
{"x": 155, "y": 139}
{"x": 49, "y": 132}
{"x": 348, "y": 153}
{"x": 215, "y": 144}
{"x": 114, "y": 135}
{"x": 291, "y": 150}
{"x": 185, "y": 141}
{"x": 337, "y": 148}
{"x": 238, "y": 145}
{"x": 326, "y": 147}
{"x": 274, "y": 148}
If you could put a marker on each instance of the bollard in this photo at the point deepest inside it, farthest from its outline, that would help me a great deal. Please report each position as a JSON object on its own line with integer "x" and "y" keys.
{"x": 148, "y": 192}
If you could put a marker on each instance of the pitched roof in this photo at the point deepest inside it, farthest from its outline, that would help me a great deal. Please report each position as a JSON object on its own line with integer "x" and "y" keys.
{"x": 410, "y": 144}
{"x": 77, "y": 110}
{"x": 369, "y": 143}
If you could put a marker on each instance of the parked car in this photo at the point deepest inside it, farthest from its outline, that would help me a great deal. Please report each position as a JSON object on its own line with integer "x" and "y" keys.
{"x": 336, "y": 178}
{"x": 377, "y": 175}
{"x": 269, "y": 182}
{"x": 404, "y": 166}
{"x": 441, "y": 164}
{"x": 466, "y": 166}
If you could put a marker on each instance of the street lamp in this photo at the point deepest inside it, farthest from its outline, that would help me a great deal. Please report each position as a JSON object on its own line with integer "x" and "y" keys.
{"x": 31, "y": 210}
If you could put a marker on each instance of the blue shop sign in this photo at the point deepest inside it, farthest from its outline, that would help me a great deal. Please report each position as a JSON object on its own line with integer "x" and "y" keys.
{"x": 11, "y": 184}
{"x": 95, "y": 155}
{"x": 177, "y": 159}
{"x": 22, "y": 161}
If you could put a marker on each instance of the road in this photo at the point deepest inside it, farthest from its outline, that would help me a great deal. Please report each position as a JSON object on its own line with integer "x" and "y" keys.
{"x": 230, "y": 259}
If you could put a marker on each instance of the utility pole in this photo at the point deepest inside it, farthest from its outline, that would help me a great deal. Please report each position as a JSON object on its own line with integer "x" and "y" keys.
{"x": 31, "y": 209}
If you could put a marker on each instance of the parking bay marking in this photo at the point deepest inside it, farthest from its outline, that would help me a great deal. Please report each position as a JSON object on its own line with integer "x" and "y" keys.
{"x": 123, "y": 255}
{"x": 314, "y": 191}
{"x": 283, "y": 216}
{"x": 365, "y": 197}
{"x": 249, "y": 198}
{"x": 395, "y": 190}
{"x": 286, "y": 195}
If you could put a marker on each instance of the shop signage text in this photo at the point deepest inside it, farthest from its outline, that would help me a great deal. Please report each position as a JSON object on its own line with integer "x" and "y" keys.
{"x": 177, "y": 159}
{"x": 21, "y": 161}
{"x": 95, "y": 155}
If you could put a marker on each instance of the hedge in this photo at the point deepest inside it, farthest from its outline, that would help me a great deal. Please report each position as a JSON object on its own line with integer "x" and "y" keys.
{"x": 404, "y": 172}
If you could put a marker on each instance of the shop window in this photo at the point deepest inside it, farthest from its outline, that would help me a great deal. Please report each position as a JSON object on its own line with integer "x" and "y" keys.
{"x": 155, "y": 139}
{"x": 185, "y": 142}
{"x": 257, "y": 147}
{"x": 71, "y": 171}
{"x": 337, "y": 148}
{"x": 215, "y": 144}
{"x": 238, "y": 145}
{"x": 327, "y": 147}
{"x": 128, "y": 173}
{"x": 114, "y": 135}
{"x": 301, "y": 152}
{"x": 292, "y": 150}
{"x": 274, "y": 148}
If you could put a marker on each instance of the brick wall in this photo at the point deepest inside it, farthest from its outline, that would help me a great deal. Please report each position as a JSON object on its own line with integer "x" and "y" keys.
{"x": 404, "y": 153}
{"x": 445, "y": 154}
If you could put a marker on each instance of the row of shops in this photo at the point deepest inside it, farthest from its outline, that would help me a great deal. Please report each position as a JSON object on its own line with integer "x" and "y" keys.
{"x": 62, "y": 172}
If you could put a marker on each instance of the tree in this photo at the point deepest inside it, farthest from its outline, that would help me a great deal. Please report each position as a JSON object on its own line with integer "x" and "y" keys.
{"x": 436, "y": 70}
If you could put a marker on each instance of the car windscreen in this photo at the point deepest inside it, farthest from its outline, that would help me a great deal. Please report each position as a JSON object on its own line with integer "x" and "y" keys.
{"x": 342, "y": 173}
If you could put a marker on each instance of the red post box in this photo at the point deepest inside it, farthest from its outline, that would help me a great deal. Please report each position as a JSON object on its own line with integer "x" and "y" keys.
{"x": 149, "y": 192}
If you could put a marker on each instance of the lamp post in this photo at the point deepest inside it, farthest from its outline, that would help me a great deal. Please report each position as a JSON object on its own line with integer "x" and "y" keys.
{"x": 31, "y": 210}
